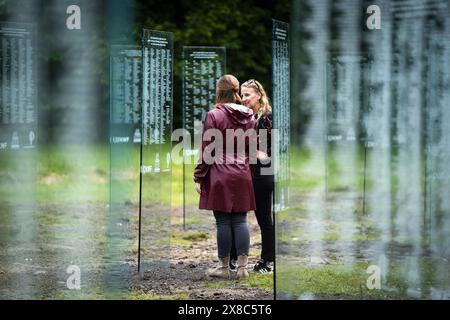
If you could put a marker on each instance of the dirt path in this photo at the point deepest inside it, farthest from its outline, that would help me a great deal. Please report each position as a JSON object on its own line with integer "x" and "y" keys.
{"x": 185, "y": 276}
{"x": 77, "y": 234}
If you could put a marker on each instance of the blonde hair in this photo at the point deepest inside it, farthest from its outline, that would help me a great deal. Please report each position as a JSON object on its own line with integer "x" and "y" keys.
{"x": 227, "y": 90}
{"x": 264, "y": 103}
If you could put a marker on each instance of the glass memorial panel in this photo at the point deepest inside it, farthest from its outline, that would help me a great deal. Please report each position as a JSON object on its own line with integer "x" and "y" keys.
{"x": 437, "y": 156}
{"x": 419, "y": 77}
{"x": 202, "y": 67}
{"x": 344, "y": 154}
{"x": 125, "y": 140}
{"x": 376, "y": 111}
{"x": 300, "y": 230}
{"x": 281, "y": 111}
{"x": 156, "y": 172}
{"x": 18, "y": 161}
{"x": 280, "y": 136}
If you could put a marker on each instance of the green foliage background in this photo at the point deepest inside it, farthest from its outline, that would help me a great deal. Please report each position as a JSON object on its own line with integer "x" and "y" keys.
{"x": 243, "y": 27}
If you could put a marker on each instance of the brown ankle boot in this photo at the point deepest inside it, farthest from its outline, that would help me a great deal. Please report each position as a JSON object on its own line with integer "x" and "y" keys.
{"x": 242, "y": 272}
{"x": 222, "y": 271}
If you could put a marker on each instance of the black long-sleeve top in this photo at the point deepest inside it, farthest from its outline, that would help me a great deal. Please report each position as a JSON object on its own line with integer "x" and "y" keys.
{"x": 264, "y": 122}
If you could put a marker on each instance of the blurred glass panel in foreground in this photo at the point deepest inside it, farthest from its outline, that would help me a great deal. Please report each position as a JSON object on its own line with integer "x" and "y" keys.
{"x": 369, "y": 217}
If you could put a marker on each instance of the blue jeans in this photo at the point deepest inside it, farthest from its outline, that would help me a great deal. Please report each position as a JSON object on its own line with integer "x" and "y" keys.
{"x": 228, "y": 224}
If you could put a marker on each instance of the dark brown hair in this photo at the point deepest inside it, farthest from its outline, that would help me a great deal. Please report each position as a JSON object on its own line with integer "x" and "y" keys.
{"x": 227, "y": 90}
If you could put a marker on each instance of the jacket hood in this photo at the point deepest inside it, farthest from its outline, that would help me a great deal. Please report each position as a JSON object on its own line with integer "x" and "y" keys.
{"x": 238, "y": 114}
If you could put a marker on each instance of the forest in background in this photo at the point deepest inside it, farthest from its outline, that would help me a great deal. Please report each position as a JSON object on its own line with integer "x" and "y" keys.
{"x": 243, "y": 27}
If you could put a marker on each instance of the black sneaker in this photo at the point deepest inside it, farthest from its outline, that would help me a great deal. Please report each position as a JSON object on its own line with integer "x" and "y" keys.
{"x": 263, "y": 266}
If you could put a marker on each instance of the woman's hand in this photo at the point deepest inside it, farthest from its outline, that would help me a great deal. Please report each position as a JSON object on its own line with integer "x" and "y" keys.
{"x": 198, "y": 187}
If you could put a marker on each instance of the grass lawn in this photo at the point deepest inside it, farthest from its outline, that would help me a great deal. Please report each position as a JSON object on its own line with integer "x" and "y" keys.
{"x": 325, "y": 242}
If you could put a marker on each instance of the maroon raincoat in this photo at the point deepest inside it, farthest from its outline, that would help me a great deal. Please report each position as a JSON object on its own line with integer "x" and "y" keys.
{"x": 228, "y": 186}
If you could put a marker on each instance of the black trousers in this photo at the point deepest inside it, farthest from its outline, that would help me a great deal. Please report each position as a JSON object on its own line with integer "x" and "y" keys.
{"x": 263, "y": 187}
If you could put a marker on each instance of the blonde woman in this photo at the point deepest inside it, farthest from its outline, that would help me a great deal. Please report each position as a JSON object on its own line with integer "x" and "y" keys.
{"x": 254, "y": 97}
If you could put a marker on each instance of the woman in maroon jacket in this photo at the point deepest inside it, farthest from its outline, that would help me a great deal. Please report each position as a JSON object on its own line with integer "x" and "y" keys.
{"x": 223, "y": 176}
